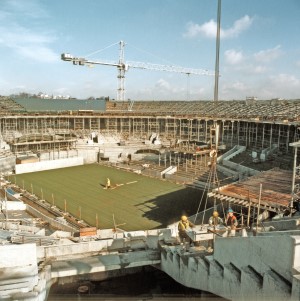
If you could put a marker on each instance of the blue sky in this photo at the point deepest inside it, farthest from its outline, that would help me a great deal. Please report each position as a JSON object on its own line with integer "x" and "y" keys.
{"x": 259, "y": 55}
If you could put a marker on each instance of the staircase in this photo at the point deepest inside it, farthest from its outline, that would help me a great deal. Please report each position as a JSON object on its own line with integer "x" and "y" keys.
{"x": 241, "y": 268}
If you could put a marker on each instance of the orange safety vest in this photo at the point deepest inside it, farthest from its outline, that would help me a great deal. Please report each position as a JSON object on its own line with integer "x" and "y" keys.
{"x": 231, "y": 221}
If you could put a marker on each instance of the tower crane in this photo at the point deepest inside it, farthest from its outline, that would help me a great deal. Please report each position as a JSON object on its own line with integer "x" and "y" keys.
{"x": 124, "y": 66}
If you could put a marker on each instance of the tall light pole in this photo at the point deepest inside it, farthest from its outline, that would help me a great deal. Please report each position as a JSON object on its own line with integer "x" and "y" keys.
{"x": 216, "y": 91}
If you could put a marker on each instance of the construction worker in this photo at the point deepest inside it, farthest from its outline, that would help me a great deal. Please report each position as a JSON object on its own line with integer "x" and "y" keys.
{"x": 107, "y": 183}
{"x": 215, "y": 220}
{"x": 231, "y": 222}
{"x": 184, "y": 225}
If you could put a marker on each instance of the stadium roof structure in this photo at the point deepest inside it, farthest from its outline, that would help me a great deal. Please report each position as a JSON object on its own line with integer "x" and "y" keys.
{"x": 42, "y": 105}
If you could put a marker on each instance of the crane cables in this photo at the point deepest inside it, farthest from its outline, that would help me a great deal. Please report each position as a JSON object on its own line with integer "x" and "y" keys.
{"x": 206, "y": 188}
{"x": 100, "y": 50}
{"x": 147, "y": 52}
{"x": 212, "y": 175}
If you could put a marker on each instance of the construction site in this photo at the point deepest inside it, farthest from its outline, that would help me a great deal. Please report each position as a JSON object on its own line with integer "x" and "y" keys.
{"x": 172, "y": 140}
{"x": 243, "y": 153}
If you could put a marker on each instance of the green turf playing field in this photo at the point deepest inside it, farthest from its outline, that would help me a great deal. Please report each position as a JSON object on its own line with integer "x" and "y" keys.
{"x": 138, "y": 201}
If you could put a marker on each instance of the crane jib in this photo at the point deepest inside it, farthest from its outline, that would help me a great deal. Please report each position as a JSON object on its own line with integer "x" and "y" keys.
{"x": 123, "y": 67}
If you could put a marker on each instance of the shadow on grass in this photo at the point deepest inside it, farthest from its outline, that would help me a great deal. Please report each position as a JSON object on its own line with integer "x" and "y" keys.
{"x": 168, "y": 208}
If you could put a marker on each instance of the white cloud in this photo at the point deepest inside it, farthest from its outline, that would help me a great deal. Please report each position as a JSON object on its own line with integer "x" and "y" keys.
{"x": 259, "y": 69}
{"x": 32, "y": 43}
{"x": 233, "y": 57}
{"x": 250, "y": 69}
{"x": 237, "y": 86}
{"x": 163, "y": 84}
{"x": 282, "y": 85}
{"x": 209, "y": 29}
{"x": 285, "y": 81}
{"x": 37, "y": 53}
{"x": 28, "y": 8}
{"x": 268, "y": 55}
{"x": 234, "y": 90}
{"x": 251, "y": 64}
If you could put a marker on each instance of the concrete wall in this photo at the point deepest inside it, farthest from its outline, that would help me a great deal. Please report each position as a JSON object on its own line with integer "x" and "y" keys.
{"x": 53, "y": 155}
{"x": 240, "y": 168}
{"x": 72, "y": 249}
{"x": 22, "y": 228}
{"x": 231, "y": 153}
{"x": 296, "y": 255}
{"x": 10, "y": 255}
{"x": 241, "y": 268}
{"x": 20, "y": 263}
{"x": 172, "y": 170}
{"x": 228, "y": 172}
{"x": 133, "y": 240}
{"x": 88, "y": 155}
{"x": 13, "y": 205}
{"x": 225, "y": 160}
{"x": 261, "y": 253}
{"x": 7, "y": 164}
{"x": 54, "y": 223}
{"x": 46, "y": 165}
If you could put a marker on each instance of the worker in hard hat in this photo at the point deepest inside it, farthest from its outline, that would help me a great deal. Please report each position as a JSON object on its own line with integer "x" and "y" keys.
{"x": 215, "y": 220}
{"x": 107, "y": 183}
{"x": 183, "y": 226}
{"x": 231, "y": 222}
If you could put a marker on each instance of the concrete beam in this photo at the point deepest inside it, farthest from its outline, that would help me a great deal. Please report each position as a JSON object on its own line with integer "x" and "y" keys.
{"x": 104, "y": 263}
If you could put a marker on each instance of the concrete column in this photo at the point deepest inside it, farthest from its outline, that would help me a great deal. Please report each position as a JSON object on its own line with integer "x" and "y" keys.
{"x": 246, "y": 134}
{"x": 205, "y": 131}
{"x": 278, "y": 144}
{"x": 256, "y": 135}
{"x": 179, "y": 128}
{"x": 287, "y": 139}
{"x": 263, "y": 137}
{"x": 232, "y": 125}
{"x": 223, "y": 131}
{"x": 198, "y": 129}
{"x": 271, "y": 135}
{"x": 133, "y": 129}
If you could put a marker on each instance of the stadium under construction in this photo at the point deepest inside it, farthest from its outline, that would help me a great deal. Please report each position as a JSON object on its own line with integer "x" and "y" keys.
{"x": 254, "y": 124}
{"x": 181, "y": 133}
{"x": 249, "y": 144}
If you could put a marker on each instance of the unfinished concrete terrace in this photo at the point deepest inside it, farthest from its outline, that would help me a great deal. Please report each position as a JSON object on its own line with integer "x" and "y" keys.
{"x": 275, "y": 194}
{"x": 237, "y": 109}
{"x": 258, "y": 110}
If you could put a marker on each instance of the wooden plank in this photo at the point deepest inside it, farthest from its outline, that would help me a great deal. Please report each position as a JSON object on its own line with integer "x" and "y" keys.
{"x": 89, "y": 231}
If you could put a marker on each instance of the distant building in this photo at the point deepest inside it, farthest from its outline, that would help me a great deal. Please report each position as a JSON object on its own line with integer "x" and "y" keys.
{"x": 251, "y": 99}
{"x": 46, "y": 96}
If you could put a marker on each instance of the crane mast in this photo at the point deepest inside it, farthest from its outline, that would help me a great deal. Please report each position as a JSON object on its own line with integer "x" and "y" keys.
{"x": 121, "y": 75}
{"x": 123, "y": 66}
